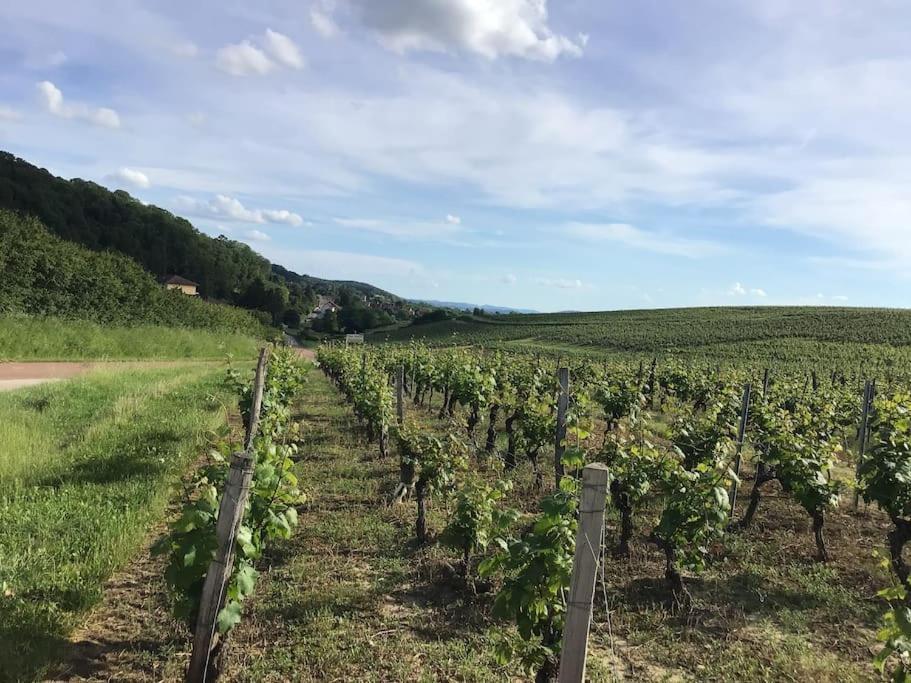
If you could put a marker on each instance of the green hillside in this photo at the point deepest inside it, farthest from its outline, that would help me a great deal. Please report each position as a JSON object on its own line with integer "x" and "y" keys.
{"x": 44, "y": 276}
{"x": 163, "y": 244}
{"x": 769, "y": 334}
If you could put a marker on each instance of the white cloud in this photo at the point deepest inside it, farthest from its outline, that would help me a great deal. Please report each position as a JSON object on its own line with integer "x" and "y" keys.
{"x": 866, "y": 213}
{"x": 490, "y": 28}
{"x": 9, "y": 114}
{"x": 345, "y": 265}
{"x": 229, "y": 208}
{"x": 130, "y": 176}
{"x": 246, "y": 59}
{"x": 283, "y": 49}
{"x": 410, "y": 229}
{"x": 257, "y": 236}
{"x": 282, "y": 216}
{"x": 454, "y": 220}
{"x": 55, "y": 104}
{"x": 509, "y": 279}
{"x": 243, "y": 59}
{"x": 631, "y": 236}
{"x": 738, "y": 289}
{"x": 323, "y": 23}
{"x": 186, "y": 49}
{"x": 560, "y": 283}
{"x": 524, "y": 148}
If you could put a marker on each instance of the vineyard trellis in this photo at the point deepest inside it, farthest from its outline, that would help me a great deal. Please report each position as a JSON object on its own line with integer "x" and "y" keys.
{"x": 239, "y": 503}
{"x": 672, "y": 436}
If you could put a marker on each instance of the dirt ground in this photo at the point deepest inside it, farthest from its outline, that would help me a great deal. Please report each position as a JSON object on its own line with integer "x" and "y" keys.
{"x": 15, "y": 375}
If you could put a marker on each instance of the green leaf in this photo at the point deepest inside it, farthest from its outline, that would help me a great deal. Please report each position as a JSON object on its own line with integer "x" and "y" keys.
{"x": 229, "y": 616}
{"x": 189, "y": 557}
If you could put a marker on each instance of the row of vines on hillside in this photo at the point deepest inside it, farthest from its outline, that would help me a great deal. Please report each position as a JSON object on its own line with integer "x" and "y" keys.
{"x": 274, "y": 494}
{"x": 669, "y": 434}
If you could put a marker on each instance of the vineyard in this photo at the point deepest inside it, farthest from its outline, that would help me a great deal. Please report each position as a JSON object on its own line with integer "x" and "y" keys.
{"x": 404, "y": 511}
{"x": 824, "y": 337}
{"x": 497, "y": 441}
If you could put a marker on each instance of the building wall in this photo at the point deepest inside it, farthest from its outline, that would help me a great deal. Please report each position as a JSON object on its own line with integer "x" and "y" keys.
{"x": 190, "y": 290}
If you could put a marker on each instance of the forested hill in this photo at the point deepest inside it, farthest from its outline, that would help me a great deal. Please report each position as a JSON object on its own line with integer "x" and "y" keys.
{"x": 323, "y": 285}
{"x": 91, "y": 215}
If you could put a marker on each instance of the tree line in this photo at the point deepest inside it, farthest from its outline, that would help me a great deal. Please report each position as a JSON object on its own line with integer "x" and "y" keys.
{"x": 90, "y": 215}
{"x": 44, "y": 275}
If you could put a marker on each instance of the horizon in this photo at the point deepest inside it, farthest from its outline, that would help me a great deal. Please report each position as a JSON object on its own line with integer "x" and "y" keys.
{"x": 581, "y": 156}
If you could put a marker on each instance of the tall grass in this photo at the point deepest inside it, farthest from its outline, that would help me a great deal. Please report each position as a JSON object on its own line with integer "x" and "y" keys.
{"x": 24, "y": 338}
{"x": 86, "y": 467}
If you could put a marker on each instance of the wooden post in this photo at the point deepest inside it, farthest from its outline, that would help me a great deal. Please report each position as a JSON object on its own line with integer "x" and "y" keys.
{"x": 585, "y": 566}
{"x": 230, "y": 516}
{"x": 862, "y": 437}
{"x": 259, "y": 384}
{"x": 562, "y": 405}
{"x": 399, "y": 394}
{"x": 652, "y": 378}
{"x": 741, "y": 433}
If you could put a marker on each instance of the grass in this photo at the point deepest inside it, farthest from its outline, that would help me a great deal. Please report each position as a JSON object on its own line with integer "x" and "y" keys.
{"x": 24, "y": 338}
{"x": 86, "y": 467}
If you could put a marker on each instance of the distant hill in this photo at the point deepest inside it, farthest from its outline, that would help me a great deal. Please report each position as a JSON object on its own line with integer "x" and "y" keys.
{"x": 853, "y": 340}
{"x": 324, "y": 286}
{"x": 226, "y": 270}
{"x": 461, "y": 306}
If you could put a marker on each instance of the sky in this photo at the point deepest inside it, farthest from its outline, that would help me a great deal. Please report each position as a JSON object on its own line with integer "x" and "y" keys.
{"x": 561, "y": 155}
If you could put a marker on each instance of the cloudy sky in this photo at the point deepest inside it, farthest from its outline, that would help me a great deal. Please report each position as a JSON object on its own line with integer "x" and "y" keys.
{"x": 571, "y": 154}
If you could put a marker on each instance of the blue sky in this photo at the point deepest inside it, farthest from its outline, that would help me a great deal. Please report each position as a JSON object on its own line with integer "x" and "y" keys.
{"x": 583, "y": 154}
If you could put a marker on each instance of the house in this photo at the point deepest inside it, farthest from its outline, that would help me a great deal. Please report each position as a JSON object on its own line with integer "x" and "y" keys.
{"x": 324, "y": 305}
{"x": 188, "y": 287}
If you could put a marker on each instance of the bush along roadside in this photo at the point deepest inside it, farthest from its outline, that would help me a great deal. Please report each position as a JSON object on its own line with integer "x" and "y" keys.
{"x": 270, "y": 512}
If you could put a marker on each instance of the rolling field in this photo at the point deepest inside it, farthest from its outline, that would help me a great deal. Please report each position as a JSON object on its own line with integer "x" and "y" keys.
{"x": 772, "y": 335}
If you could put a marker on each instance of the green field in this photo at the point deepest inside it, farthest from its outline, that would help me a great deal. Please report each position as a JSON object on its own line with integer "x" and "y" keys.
{"x": 87, "y": 467}
{"x": 761, "y": 335}
{"x": 24, "y": 338}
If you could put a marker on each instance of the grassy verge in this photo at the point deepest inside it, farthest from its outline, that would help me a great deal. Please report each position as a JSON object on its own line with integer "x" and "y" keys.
{"x": 23, "y": 338}
{"x": 86, "y": 466}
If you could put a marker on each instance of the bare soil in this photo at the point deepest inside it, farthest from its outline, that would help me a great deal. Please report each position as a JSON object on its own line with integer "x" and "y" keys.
{"x": 18, "y": 374}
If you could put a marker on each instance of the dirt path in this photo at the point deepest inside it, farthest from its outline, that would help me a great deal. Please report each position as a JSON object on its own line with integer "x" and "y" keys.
{"x": 15, "y": 375}
{"x": 309, "y": 354}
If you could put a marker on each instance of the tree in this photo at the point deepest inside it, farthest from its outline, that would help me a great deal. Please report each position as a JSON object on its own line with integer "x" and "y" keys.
{"x": 292, "y": 318}
{"x": 266, "y": 296}
{"x": 327, "y": 323}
